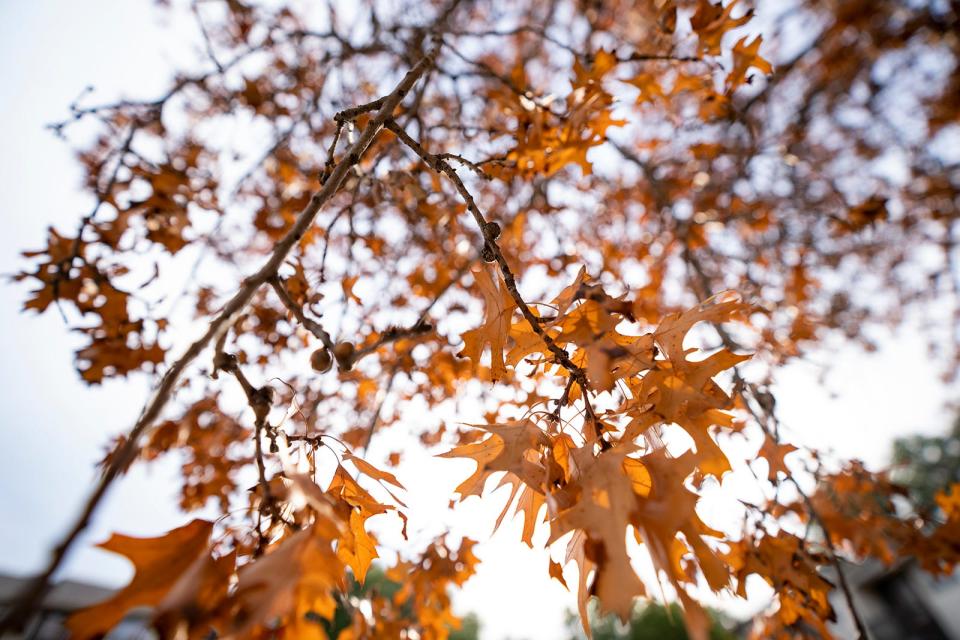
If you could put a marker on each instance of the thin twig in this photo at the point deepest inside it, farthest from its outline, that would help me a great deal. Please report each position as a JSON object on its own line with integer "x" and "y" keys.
{"x": 375, "y": 420}
{"x": 312, "y": 326}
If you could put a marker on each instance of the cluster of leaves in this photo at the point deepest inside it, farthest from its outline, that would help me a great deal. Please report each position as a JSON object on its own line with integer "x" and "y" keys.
{"x": 289, "y": 578}
{"x": 629, "y": 162}
{"x": 376, "y": 586}
{"x": 598, "y": 489}
{"x": 859, "y": 514}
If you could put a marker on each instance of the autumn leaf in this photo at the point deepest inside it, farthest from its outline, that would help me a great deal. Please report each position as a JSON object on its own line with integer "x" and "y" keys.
{"x": 498, "y": 306}
{"x": 196, "y": 601}
{"x": 649, "y": 86}
{"x": 505, "y": 449}
{"x": 544, "y": 146}
{"x": 369, "y": 470}
{"x": 425, "y": 586}
{"x": 868, "y": 213}
{"x": 774, "y": 452}
{"x": 358, "y": 548}
{"x": 783, "y": 562}
{"x": 607, "y": 502}
{"x": 712, "y": 21}
{"x": 590, "y": 77}
{"x": 746, "y": 56}
{"x": 164, "y": 567}
{"x": 684, "y": 391}
{"x": 293, "y": 584}
{"x": 949, "y": 501}
{"x": 347, "y": 284}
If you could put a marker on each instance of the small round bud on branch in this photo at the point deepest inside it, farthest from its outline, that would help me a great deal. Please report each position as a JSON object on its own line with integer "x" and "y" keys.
{"x": 260, "y": 401}
{"x": 223, "y": 361}
{"x": 344, "y": 352}
{"x": 320, "y": 360}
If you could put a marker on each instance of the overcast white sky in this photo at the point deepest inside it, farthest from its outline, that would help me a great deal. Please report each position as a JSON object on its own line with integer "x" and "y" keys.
{"x": 54, "y": 428}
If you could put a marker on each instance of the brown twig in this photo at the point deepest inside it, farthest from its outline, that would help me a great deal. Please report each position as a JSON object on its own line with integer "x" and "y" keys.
{"x": 310, "y": 325}
{"x": 260, "y": 400}
{"x": 563, "y": 400}
{"x": 375, "y": 420}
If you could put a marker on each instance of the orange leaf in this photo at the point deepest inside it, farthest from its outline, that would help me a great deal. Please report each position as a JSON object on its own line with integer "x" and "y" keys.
{"x": 358, "y": 549}
{"x": 746, "y": 56}
{"x": 504, "y": 450}
{"x": 774, "y": 452}
{"x": 160, "y": 564}
{"x": 556, "y": 572}
{"x": 498, "y": 306}
{"x": 368, "y": 469}
{"x": 296, "y": 578}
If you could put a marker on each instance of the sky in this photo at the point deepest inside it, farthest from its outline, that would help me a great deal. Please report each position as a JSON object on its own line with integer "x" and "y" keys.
{"x": 55, "y": 428}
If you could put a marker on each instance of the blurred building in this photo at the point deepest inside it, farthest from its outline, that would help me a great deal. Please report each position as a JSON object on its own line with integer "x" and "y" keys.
{"x": 64, "y": 598}
{"x": 898, "y": 602}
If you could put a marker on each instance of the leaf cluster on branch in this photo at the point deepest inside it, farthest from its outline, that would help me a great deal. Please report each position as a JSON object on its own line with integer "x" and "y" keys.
{"x": 588, "y": 230}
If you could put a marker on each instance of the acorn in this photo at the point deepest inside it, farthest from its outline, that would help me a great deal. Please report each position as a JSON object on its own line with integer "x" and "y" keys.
{"x": 491, "y": 230}
{"x": 320, "y": 360}
{"x": 343, "y": 352}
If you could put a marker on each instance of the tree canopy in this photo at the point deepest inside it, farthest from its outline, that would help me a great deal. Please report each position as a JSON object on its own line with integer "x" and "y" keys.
{"x": 569, "y": 240}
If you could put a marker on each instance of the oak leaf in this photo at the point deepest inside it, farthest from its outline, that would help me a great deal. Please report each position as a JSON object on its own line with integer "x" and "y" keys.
{"x": 292, "y": 585}
{"x": 160, "y": 565}
{"x": 774, "y": 453}
{"x": 746, "y": 56}
{"x": 712, "y": 21}
{"x": 508, "y": 448}
{"x": 603, "y": 502}
{"x": 498, "y": 307}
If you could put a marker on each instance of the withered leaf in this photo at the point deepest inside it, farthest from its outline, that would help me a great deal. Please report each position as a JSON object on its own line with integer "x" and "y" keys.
{"x": 161, "y": 564}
